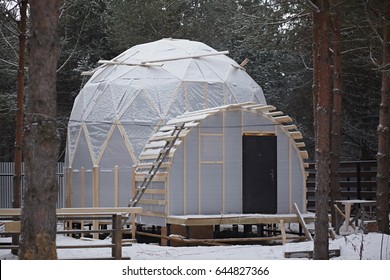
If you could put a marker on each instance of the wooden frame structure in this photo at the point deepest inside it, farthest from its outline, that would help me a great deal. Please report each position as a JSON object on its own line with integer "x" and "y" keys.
{"x": 189, "y": 160}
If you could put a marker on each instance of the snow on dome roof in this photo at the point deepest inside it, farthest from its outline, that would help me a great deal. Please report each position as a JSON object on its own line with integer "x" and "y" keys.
{"x": 145, "y": 86}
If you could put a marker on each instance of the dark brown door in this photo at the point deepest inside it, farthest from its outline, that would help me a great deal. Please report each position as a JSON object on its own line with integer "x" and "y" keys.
{"x": 259, "y": 174}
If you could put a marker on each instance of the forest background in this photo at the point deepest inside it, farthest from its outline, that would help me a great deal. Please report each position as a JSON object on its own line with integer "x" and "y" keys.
{"x": 276, "y": 37}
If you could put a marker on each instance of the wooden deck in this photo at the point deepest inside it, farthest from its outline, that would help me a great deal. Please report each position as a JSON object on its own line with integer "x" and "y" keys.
{"x": 237, "y": 219}
{"x": 206, "y": 229}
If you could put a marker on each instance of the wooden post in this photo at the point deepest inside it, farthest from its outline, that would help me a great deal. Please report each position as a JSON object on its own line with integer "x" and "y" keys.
{"x": 82, "y": 187}
{"x": 82, "y": 190}
{"x": 116, "y": 185}
{"x": 283, "y": 231}
{"x": 133, "y": 188}
{"x": 69, "y": 187}
{"x": 95, "y": 197}
{"x": 117, "y": 236}
{"x": 68, "y": 196}
{"x": 133, "y": 226}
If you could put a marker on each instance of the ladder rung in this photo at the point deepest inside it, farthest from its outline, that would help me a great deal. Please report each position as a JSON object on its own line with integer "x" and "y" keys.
{"x": 158, "y": 177}
{"x": 147, "y": 175}
{"x": 152, "y": 164}
{"x": 163, "y": 137}
{"x": 155, "y": 156}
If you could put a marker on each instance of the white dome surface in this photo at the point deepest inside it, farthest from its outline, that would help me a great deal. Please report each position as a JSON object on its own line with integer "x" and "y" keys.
{"x": 141, "y": 89}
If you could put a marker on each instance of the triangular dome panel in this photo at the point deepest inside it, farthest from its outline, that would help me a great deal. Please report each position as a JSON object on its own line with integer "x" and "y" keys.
{"x": 74, "y": 130}
{"x": 140, "y": 111}
{"x": 97, "y": 135}
{"x": 104, "y": 109}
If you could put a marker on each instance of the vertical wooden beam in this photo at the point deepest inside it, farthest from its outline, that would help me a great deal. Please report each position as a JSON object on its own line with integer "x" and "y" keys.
{"x": 283, "y": 231}
{"x": 82, "y": 190}
{"x": 69, "y": 191}
{"x": 185, "y": 175}
{"x": 133, "y": 226}
{"x": 290, "y": 188}
{"x": 69, "y": 187}
{"x": 200, "y": 169}
{"x": 116, "y": 185}
{"x": 133, "y": 192}
{"x": 223, "y": 161}
{"x": 95, "y": 196}
{"x": 82, "y": 187}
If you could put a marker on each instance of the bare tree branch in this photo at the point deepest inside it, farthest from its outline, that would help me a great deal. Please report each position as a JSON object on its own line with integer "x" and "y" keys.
{"x": 77, "y": 43}
{"x": 9, "y": 63}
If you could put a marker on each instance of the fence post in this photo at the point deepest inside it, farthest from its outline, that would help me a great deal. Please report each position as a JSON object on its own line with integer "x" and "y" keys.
{"x": 117, "y": 236}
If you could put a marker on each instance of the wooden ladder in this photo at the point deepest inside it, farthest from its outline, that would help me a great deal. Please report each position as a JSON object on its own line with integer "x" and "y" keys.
{"x": 148, "y": 177}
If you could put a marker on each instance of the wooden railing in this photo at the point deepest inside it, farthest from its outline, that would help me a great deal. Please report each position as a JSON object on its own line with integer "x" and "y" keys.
{"x": 357, "y": 181}
{"x": 116, "y": 216}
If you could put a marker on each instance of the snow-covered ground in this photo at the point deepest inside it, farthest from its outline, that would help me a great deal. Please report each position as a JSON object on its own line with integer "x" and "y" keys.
{"x": 224, "y": 262}
{"x": 371, "y": 246}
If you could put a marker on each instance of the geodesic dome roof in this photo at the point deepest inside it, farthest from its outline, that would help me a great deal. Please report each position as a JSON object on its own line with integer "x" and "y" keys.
{"x": 140, "y": 89}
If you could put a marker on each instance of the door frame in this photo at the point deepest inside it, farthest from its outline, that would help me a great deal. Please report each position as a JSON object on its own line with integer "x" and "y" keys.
{"x": 271, "y": 190}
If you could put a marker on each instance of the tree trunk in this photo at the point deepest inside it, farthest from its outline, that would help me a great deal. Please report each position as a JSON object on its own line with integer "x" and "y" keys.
{"x": 38, "y": 233}
{"x": 335, "y": 192}
{"x": 382, "y": 195}
{"x": 18, "y": 153}
{"x": 322, "y": 127}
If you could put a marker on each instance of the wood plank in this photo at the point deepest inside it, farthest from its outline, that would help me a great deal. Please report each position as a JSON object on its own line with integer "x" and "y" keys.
{"x": 304, "y": 154}
{"x": 300, "y": 144}
{"x": 159, "y": 144}
{"x": 185, "y": 119}
{"x": 283, "y": 231}
{"x": 186, "y": 57}
{"x": 228, "y": 240}
{"x": 283, "y": 119}
{"x": 152, "y": 201}
{"x": 260, "y": 107}
{"x": 295, "y": 250}
{"x": 290, "y": 127}
{"x": 156, "y": 191}
{"x": 97, "y": 210}
{"x": 148, "y": 165}
{"x": 238, "y": 219}
{"x": 274, "y": 114}
{"x": 159, "y": 177}
{"x": 11, "y": 226}
{"x": 153, "y": 214}
{"x": 302, "y": 222}
{"x": 296, "y": 135}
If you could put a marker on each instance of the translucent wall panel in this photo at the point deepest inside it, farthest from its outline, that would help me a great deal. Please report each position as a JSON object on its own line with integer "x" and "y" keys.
{"x": 211, "y": 189}
{"x": 176, "y": 184}
{"x": 233, "y": 162}
{"x": 211, "y": 148}
{"x": 192, "y": 172}
{"x": 283, "y": 172}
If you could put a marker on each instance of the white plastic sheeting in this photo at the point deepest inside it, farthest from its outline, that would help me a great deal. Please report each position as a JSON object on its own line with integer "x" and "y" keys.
{"x": 128, "y": 98}
{"x": 135, "y": 96}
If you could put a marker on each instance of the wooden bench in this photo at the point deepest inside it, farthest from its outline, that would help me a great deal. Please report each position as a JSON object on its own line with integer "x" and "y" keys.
{"x": 118, "y": 215}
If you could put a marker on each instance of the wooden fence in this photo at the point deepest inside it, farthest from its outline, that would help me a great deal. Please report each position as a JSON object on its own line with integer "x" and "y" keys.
{"x": 117, "y": 216}
{"x": 357, "y": 181}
